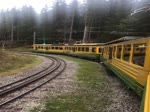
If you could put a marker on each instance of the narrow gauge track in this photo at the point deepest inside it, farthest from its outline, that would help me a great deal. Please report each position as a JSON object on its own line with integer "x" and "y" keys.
{"x": 42, "y": 77}
{"x": 10, "y": 84}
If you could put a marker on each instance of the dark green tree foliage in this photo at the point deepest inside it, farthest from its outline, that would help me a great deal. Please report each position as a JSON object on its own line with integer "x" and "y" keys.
{"x": 59, "y": 14}
{"x": 118, "y": 10}
{"x": 27, "y": 22}
{"x": 143, "y": 18}
{"x": 75, "y": 13}
{"x": 138, "y": 23}
{"x": 106, "y": 19}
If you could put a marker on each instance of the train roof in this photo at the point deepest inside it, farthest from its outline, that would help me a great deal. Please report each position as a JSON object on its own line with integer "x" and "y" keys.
{"x": 89, "y": 44}
{"x": 126, "y": 38}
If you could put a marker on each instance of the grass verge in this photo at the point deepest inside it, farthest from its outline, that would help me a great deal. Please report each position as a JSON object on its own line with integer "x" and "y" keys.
{"x": 12, "y": 63}
{"x": 89, "y": 97}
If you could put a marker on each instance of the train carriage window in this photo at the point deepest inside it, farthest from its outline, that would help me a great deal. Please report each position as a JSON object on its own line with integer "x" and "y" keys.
{"x": 93, "y": 49}
{"x": 107, "y": 52}
{"x": 119, "y": 49}
{"x": 100, "y": 50}
{"x": 114, "y": 50}
{"x": 82, "y": 48}
{"x": 73, "y": 49}
{"x": 139, "y": 51}
{"x": 61, "y": 48}
{"x": 126, "y": 52}
{"x": 46, "y": 48}
{"x": 78, "y": 48}
{"x": 87, "y": 49}
{"x": 110, "y": 52}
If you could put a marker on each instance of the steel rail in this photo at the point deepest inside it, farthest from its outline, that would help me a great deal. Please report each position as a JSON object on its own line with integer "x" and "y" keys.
{"x": 21, "y": 95}
{"x": 29, "y": 81}
{"x": 10, "y": 84}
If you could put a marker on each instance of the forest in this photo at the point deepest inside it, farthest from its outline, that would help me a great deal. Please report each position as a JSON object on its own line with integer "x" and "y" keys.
{"x": 95, "y": 20}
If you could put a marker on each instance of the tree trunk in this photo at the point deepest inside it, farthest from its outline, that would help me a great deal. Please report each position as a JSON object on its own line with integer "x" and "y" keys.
{"x": 71, "y": 29}
{"x": 12, "y": 33}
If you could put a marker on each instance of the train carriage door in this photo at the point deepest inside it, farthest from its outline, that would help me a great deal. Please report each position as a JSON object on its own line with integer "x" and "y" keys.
{"x": 110, "y": 52}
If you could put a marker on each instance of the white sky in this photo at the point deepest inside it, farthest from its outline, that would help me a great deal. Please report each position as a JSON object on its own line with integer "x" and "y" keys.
{"x": 36, "y": 4}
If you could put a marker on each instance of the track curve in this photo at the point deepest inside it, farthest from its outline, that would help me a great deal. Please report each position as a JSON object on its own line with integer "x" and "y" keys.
{"x": 42, "y": 77}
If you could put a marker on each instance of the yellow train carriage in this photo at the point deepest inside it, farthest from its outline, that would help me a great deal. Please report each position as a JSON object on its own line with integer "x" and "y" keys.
{"x": 130, "y": 61}
{"x": 59, "y": 49}
{"x": 49, "y": 48}
{"x": 88, "y": 51}
{"x": 84, "y": 49}
{"x": 91, "y": 51}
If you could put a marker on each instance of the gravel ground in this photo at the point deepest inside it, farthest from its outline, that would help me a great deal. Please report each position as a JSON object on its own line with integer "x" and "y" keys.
{"x": 64, "y": 83}
{"x": 123, "y": 99}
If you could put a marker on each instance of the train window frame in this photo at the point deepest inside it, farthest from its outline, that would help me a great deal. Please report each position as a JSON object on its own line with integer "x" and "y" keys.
{"x": 93, "y": 49}
{"x": 140, "y": 61}
{"x": 126, "y": 48}
{"x": 60, "y": 48}
{"x": 106, "y": 50}
{"x": 99, "y": 49}
{"x": 79, "y": 49}
{"x": 82, "y": 49}
{"x": 76, "y": 49}
{"x": 114, "y": 52}
{"x": 110, "y": 52}
{"x": 46, "y": 48}
{"x": 86, "y": 49}
{"x": 73, "y": 49}
{"x": 120, "y": 52}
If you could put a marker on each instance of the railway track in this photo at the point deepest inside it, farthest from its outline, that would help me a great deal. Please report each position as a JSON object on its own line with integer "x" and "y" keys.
{"x": 15, "y": 90}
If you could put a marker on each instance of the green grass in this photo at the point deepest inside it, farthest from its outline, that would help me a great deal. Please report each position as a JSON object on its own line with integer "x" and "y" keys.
{"x": 22, "y": 48}
{"x": 91, "y": 96}
{"x": 86, "y": 56}
{"x": 12, "y": 63}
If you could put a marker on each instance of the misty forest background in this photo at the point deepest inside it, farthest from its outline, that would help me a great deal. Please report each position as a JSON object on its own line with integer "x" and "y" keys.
{"x": 105, "y": 20}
